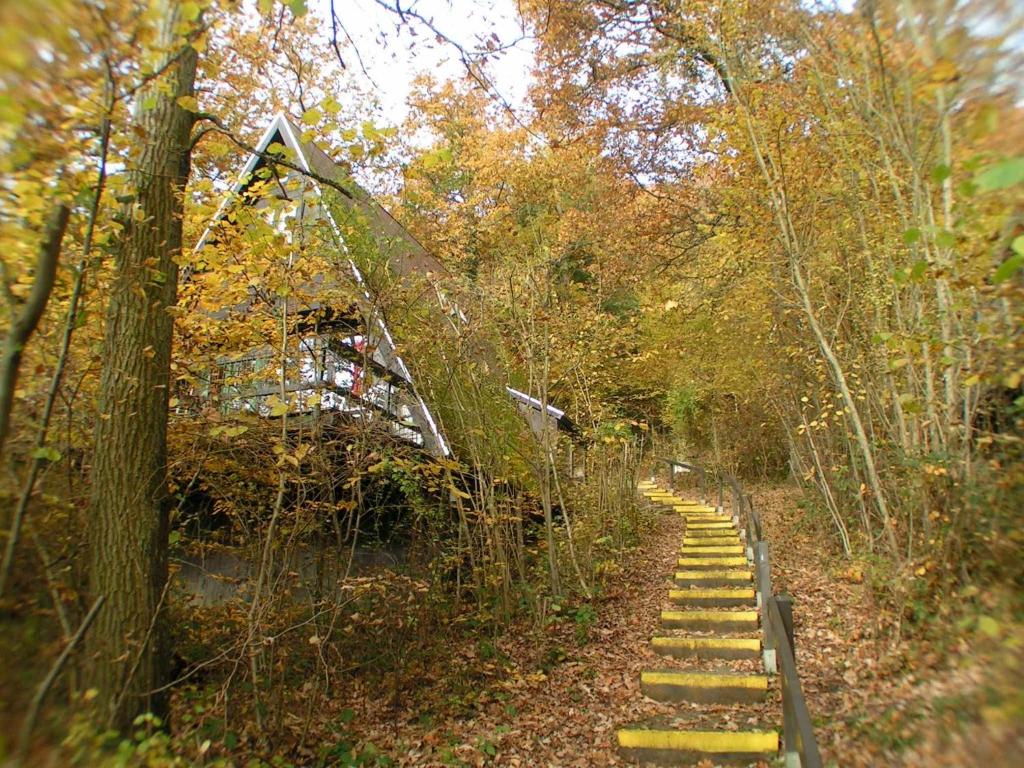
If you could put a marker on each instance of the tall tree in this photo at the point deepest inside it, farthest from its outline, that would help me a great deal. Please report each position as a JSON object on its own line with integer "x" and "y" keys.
{"x": 127, "y": 516}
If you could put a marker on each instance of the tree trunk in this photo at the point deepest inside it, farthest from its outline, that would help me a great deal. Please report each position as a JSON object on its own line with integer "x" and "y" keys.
{"x": 128, "y": 518}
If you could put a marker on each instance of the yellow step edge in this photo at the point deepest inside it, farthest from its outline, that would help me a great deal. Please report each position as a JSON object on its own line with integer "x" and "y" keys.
{"x": 731, "y": 643}
{"x": 721, "y": 575}
{"x": 712, "y": 742}
{"x": 709, "y": 593}
{"x": 705, "y": 680}
{"x": 746, "y": 616}
{"x": 712, "y": 616}
{"x": 682, "y": 562}
{"x": 712, "y": 532}
{"x": 713, "y": 549}
{"x": 725, "y": 527}
{"x": 711, "y": 541}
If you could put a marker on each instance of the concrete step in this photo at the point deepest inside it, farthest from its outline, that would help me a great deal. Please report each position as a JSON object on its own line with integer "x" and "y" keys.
{"x": 721, "y": 578}
{"x": 717, "y": 688}
{"x": 711, "y": 562}
{"x": 705, "y": 541}
{"x": 710, "y": 620}
{"x": 708, "y": 647}
{"x": 710, "y": 533}
{"x": 711, "y": 549}
{"x": 718, "y": 597}
{"x": 671, "y": 747}
{"x": 700, "y": 525}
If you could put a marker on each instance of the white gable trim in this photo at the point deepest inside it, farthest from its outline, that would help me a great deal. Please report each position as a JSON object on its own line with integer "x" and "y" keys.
{"x": 281, "y": 124}
{"x": 557, "y": 413}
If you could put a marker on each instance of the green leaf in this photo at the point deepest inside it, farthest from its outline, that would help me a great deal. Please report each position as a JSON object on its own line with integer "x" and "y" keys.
{"x": 46, "y": 452}
{"x": 266, "y": 6}
{"x": 918, "y": 270}
{"x": 1001, "y": 175}
{"x": 909, "y": 404}
{"x": 298, "y": 7}
{"x": 911, "y": 236}
{"x": 190, "y": 11}
{"x": 148, "y": 103}
{"x": 940, "y": 173}
{"x": 1018, "y": 245}
{"x": 900, "y": 276}
{"x": 945, "y": 239}
{"x": 966, "y": 188}
{"x": 173, "y": 538}
{"x": 1008, "y": 268}
{"x": 988, "y": 626}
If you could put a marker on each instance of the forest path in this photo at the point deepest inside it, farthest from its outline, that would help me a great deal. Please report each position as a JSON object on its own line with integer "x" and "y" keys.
{"x": 557, "y": 699}
{"x": 711, "y": 640}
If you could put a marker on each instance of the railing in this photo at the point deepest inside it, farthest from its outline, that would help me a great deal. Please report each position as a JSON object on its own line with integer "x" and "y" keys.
{"x": 799, "y": 743}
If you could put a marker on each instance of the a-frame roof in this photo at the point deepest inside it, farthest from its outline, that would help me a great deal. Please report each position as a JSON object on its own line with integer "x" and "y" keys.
{"x": 405, "y": 255}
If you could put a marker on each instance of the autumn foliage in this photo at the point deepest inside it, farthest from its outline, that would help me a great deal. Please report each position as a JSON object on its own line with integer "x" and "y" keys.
{"x": 780, "y": 239}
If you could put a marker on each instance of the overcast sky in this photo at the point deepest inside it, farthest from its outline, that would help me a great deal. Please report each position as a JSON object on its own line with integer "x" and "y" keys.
{"x": 393, "y": 56}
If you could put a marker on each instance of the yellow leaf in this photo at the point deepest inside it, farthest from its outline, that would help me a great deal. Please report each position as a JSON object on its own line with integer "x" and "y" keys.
{"x": 944, "y": 71}
{"x": 188, "y": 103}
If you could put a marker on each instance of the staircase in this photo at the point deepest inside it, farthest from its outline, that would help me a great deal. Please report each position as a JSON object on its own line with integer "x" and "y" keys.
{"x": 712, "y": 626}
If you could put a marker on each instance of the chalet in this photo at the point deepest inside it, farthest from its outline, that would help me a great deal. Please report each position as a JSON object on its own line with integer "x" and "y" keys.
{"x": 349, "y": 362}
{"x": 350, "y": 366}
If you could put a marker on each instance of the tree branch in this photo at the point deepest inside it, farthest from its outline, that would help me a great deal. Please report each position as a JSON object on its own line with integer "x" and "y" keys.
{"x": 28, "y": 318}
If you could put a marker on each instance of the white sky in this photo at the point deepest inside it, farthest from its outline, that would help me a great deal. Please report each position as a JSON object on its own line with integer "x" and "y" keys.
{"x": 393, "y": 55}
